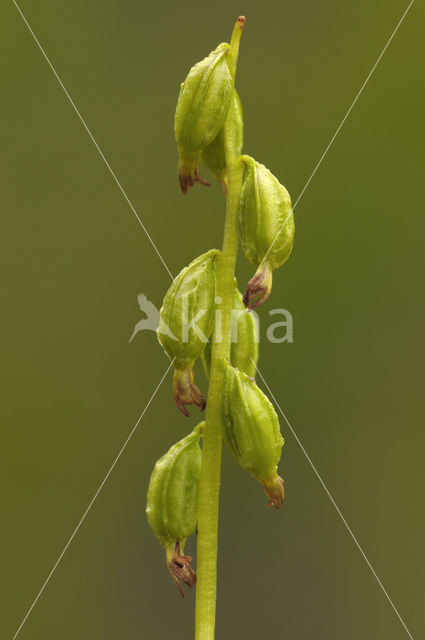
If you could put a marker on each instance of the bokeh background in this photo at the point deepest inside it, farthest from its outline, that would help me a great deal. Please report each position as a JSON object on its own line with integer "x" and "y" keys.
{"x": 74, "y": 259}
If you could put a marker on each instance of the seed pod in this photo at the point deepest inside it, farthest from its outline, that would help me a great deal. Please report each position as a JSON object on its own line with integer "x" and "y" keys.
{"x": 172, "y": 504}
{"x": 213, "y": 156}
{"x": 251, "y": 431}
{"x": 244, "y": 347}
{"x": 266, "y": 227}
{"x": 245, "y": 336}
{"x": 202, "y": 107}
{"x": 186, "y": 322}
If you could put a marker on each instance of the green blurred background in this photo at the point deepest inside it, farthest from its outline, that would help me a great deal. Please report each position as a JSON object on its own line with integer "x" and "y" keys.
{"x": 74, "y": 259}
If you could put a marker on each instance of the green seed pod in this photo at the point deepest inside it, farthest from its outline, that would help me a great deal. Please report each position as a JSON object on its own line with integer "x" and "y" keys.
{"x": 202, "y": 107}
{"x": 186, "y": 323}
{"x": 244, "y": 347}
{"x": 245, "y": 337}
{"x": 251, "y": 431}
{"x": 172, "y": 504}
{"x": 213, "y": 156}
{"x": 266, "y": 227}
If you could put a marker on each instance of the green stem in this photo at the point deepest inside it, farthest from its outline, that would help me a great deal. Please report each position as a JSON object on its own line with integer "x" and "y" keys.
{"x": 211, "y": 438}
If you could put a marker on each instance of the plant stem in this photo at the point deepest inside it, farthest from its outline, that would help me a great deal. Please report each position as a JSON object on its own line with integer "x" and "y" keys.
{"x": 209, "y": 489}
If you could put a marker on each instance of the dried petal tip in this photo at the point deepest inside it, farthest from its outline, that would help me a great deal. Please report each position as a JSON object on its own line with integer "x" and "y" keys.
{"x": 179, "y": 567}
{"x": 189, "y": 174}
{"x": 258, "y": 288}
{"x": 185, "y": 390}
{"x": 275, "y": 491}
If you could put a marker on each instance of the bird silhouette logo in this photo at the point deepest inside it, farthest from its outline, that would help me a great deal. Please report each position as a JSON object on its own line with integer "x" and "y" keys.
{"x": 151, "y": 322}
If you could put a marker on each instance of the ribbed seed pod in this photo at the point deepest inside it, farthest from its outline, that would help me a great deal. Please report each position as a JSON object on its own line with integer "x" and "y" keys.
{"x": 251, "y": 431}
{"x": 172, "y": 503}
{"x": 245, "y": 337}
{"x": 186, "y": 323}
{"x": 202, "y": 107}
{"x": 213, "y": 156}
{"x": 266, "y": 227}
